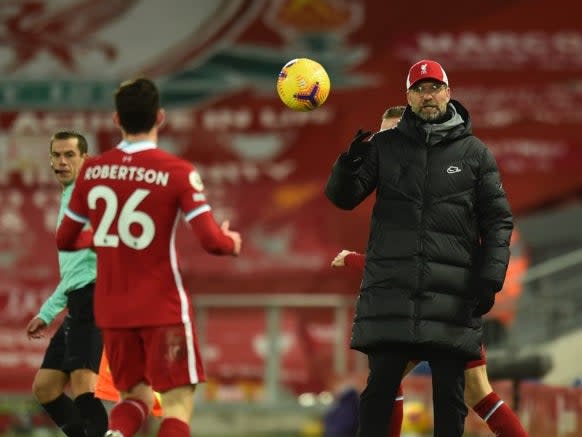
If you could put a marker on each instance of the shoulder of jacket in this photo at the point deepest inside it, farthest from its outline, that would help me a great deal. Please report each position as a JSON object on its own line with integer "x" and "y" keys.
{"x": 384, "y": 135}
{"x": 474, "y": 143}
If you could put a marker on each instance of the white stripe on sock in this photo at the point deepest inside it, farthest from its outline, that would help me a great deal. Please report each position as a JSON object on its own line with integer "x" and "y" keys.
{"x": 492, "y": 410}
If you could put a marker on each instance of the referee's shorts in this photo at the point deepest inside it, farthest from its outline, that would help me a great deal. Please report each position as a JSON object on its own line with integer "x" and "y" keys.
{"x": 77, "y": 344}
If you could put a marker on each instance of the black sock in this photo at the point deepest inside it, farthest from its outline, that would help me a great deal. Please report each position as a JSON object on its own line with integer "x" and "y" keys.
{"x": 94, "y": 414}
{"x": 65, "y": 414}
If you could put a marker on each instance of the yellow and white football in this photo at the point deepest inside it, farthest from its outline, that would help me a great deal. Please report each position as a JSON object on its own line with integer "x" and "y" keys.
{"x": 303, "y": 84}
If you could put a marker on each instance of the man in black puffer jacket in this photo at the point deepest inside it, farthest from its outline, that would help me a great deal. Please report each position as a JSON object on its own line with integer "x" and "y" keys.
{"x": 438, "y": 248}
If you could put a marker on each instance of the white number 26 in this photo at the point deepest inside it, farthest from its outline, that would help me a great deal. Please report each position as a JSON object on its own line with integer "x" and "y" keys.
{"x": 127, "y": 216}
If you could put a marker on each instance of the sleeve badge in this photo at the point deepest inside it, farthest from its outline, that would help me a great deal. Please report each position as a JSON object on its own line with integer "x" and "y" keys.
{"x": 196, "y": 180}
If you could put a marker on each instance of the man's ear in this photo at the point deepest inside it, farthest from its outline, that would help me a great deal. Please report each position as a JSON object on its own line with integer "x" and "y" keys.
{"x": 160, "y": 118}
{"x": 116, "y": 121}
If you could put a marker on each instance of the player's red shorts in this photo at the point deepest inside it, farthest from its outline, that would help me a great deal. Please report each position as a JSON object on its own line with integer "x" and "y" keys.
{"x": 165, "y": 356}
{"x": 105, "y": 389}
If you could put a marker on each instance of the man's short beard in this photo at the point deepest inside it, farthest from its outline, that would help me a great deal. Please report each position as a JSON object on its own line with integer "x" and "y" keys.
{"x": 430, "y": 116}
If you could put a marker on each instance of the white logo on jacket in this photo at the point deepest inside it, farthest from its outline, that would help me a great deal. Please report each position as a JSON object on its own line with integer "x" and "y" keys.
{"x": 453, "y": 169}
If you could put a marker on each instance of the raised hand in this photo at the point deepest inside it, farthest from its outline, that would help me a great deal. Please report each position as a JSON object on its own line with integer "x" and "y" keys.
{"x": 359, "y": 147}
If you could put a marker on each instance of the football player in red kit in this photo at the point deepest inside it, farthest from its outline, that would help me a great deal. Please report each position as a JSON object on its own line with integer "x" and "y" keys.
{"x": 134, "y": 196}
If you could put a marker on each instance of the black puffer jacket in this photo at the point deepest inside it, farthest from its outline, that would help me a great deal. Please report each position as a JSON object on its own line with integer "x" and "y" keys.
{"x": 439, "y": 235}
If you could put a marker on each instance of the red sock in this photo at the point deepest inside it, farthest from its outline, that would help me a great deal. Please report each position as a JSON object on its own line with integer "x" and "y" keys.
{"x": 397, "y": 414}
{"x": 499, "y": 417}
{"x": 172, "y": 427}
{"x": 128, "y": 416}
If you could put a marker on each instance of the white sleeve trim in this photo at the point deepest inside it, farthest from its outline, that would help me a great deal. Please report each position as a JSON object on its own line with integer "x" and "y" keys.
{"x": 197, "y": 211}
{"x": 75, "y": 217}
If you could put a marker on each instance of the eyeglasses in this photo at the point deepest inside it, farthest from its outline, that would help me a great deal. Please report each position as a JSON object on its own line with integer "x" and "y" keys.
{"x": 428, "y": 88}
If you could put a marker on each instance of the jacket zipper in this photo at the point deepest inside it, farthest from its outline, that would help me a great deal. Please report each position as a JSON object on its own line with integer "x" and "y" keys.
{"x": 421, "y": 243}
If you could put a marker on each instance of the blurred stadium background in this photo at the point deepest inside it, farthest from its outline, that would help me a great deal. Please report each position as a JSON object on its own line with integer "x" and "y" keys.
{"x": 274, "y": 323}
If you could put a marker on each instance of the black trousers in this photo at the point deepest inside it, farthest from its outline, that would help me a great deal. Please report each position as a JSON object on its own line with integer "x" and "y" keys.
{"x": 377, "y": 399}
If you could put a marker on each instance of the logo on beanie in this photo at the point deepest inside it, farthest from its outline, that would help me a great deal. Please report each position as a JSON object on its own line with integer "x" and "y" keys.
{"x": 423, "y": 69}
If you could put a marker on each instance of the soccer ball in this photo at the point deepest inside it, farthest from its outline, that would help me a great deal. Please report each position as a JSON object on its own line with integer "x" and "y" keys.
{"x": 303, "y": 84}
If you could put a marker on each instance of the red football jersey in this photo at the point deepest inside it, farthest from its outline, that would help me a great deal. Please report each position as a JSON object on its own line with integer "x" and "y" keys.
{"x": 134, "y": 196}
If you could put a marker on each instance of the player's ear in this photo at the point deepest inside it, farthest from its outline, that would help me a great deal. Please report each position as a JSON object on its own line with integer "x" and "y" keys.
{"x": 160, "y": 118}
{"x": 116, "y": 120}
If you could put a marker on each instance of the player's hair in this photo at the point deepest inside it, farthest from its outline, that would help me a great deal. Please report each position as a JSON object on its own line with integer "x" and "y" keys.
{"x": 137, "y": 102}
{"x": 393, "y": 112}
{"x": 68, "y": 134}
